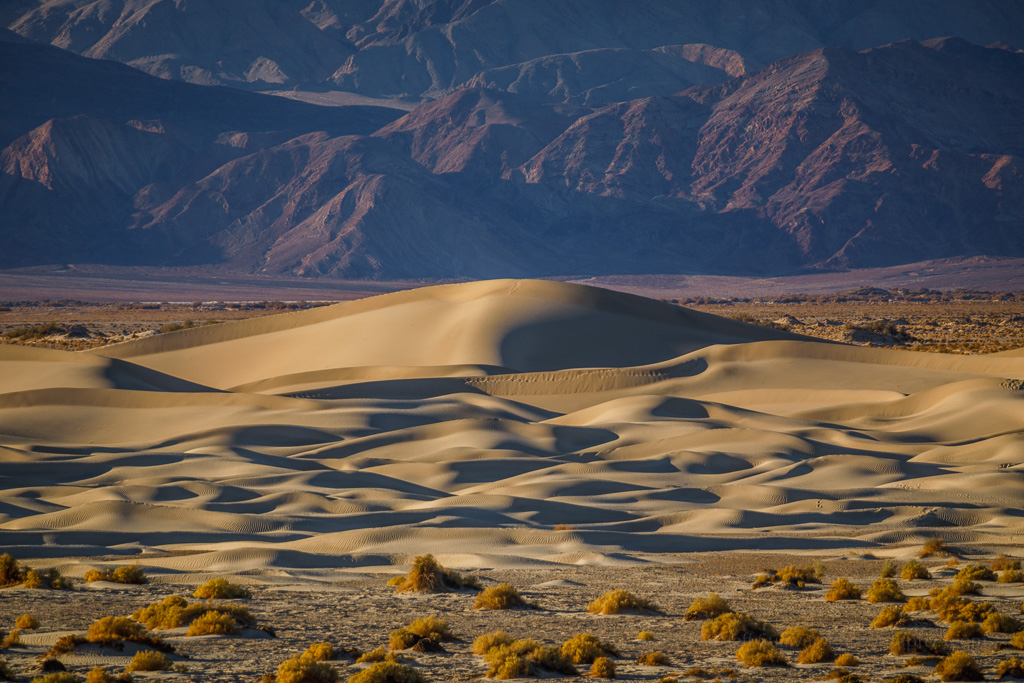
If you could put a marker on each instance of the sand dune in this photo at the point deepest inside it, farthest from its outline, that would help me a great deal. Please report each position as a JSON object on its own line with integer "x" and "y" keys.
{"x": 499, "y": 423}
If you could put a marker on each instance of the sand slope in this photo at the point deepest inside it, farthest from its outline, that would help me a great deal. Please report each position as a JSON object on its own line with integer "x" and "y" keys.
{"x": 469, "y": 420}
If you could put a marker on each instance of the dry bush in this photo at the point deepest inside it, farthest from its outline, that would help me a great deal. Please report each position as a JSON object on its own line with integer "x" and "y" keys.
{"x": 885, "y": 590}
{"x": 222, "y": 589}
{"x": 818, "y": 651}
{"x": 552, "y": 659}
{"x": 6, "y": 672}
{"x": 1011, "y": 576}
{"x": 488, "y": 641}
{"x": 847, "y": 659}
{"x": 149, "y": 660}
{"x": 59, "y": 677}
{"x": 790, "y": 575}
{"x": 959, "y": 666}
{"x": 645, "y": 635}
{"x": 12, "y": 639}
{"x": 174, "y": 611}
{"x": 891, "y": 615}
{"x": 114, "y": 629}
{"x": 1004, "y": 562}
{"x": 736, "y": 626}
{"x": 842, "y": 589}
{"x": 320, "y": 652}
{"x": 26, "y": 622}
{"x": 212, "y": 623}
{"x": 656, "y": 658}
{"x": 948, "y": 605}
{"x": 64, "y": 645}
{"x": 100, "y": 675}
{"x": 905, "y": 643}
{"x": 799, "y": 636}
{"x": 423, "y": 635}
{"x": 564, "y": 527}
{"x": 760, "y": 653}
{"x": 388, "y": 672}
{"x": 914, "y": 570}
{"x": 905, "y": 678}
{"x": 917, "y": 604}
{"x": 975, "y": 572}
{"x": 619, "y": 600}
{"x": 503, "y": 664}
{"x": 1017, "y": 640}
{"x": 11, "y": 573}
{"x": 964, "y": 587}
{"x": 428, "y": 576}
{"x": 1010, "y": 667}
{"x": 305, "y": 669}
{"x": 522, "y": 658}
{"x": 502, "y": 596}
{"x": 1001, "y": 623}
{"x": 889, "y": 569}
{"x": 376, "y": 655}
{"x": 707, "y": 608}
{"x": 935, "y": 546}
{"x": 964, "y": 630}
{"x": 47, "y": 578}
{"x": 584, "y": 648}
{"x": 128, "y": 574}
{"x": 602, "y": 668}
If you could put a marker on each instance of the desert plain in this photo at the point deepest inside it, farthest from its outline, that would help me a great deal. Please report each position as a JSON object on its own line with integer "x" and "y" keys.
{"x": 565, "y": 439}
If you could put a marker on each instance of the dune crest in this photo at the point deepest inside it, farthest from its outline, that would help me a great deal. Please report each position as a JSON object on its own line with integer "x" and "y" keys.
{"x": 499, "y": 423}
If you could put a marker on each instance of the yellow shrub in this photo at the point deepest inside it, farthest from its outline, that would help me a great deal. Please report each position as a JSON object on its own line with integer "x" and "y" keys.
{"x": 964, "y": 630}
{"x": 619, "y": 600}
{"x": 1004, "y": 562}
{"x": 1010, "y": 667}
{"x": 935, "y": 546}
{"x": 424, "y": 634}
{"x": 584, "y": 648}
{"x": 222, "y": 589}
{"x": 842, "y": 589}
{"x": 645, "y": 635}
{"x": 885, "y": 590}
{"x": 905, "y": 643}
{"x": 917, "y": 604}
{"x": 485, "y": 643}
{"x": 891, "y": 615}
{"x": 428, "y": 576}
{"x": 116, "y": 628}
{"x": 707, "y": 608}
{"x": 847, "y": 659}
{"x": 976, "y": 572}
{"x": 305, "y": 669}
{"x": 211, "y": 623}
{"x": 148, "y": 660}
{"x": 915, "y": 570}
{"x": 320, "y": 652}
{"x": 959, "y": 666}
{"x": 502, "y": 596}
{"x": 128, "y": 574}
{"x": 735, "y": 626}
{"x": 1001, "y": 623}
{"x": 1011, "y": 576}
{"x": 655, "y": 658}
{"x": 13, "y": 639}
{"x": 602, "y": 668}
{"x": 387, "y": 672}
{"x": 818, "y": 651}
{"x": 799, "y": 636}
{"x": 760, "y": 653}
{"x": 26, "y": 622}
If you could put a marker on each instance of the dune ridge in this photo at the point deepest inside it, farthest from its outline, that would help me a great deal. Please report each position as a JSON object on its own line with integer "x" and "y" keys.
{"x": 499, "y": 423}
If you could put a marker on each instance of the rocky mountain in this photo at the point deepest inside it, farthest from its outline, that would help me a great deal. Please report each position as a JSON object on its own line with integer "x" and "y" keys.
{"x": 634, "y": 146}
{"x": 418, "y": 48}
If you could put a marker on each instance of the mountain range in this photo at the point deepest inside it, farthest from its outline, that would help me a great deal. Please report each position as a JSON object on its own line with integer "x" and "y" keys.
{"x": 543, "y": 139}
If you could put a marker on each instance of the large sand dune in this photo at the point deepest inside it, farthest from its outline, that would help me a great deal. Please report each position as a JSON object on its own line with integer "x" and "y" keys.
{"x": 470, "y": 420}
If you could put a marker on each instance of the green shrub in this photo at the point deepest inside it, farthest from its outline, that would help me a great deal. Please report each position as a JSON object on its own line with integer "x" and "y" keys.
{"x": 885, "y": 590}
{"x": 222, "y": 589}
{"x": 915, "y": 570}
{"x": 707, "y": 608}
{"x": 842, "y": 589}
{"x": 736, "y": 626}
{"x": 959, "y": 666}
{"x": 502, "y": 596}
{"x": 148, "y": 660}
{"x": 428, "y": 576}
{"x": 619, "y": 600}
{"x": 755, "y": 653}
